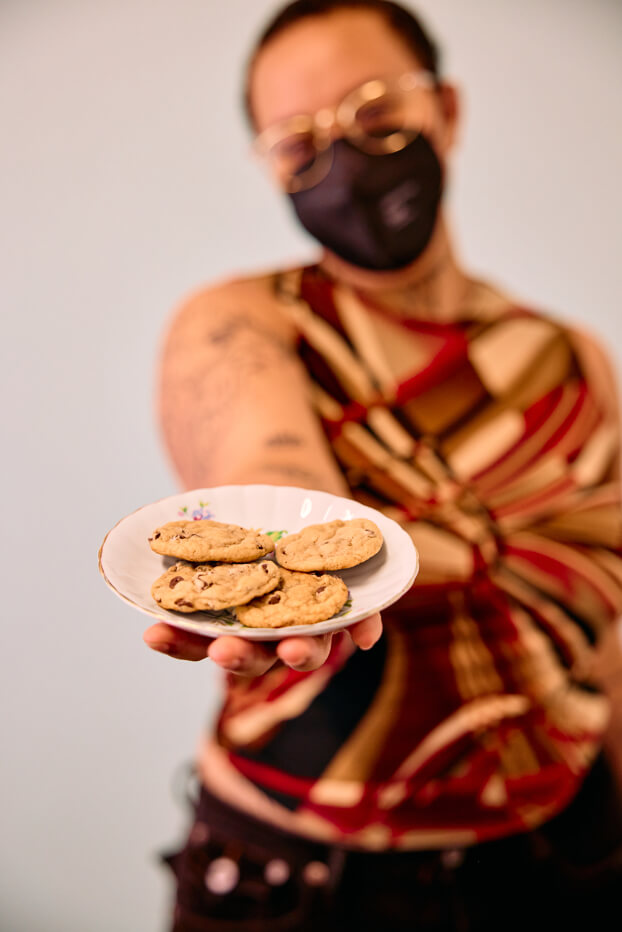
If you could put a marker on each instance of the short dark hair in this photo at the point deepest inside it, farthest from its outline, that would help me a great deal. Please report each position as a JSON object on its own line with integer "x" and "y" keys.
{"x": 402, "y": 21}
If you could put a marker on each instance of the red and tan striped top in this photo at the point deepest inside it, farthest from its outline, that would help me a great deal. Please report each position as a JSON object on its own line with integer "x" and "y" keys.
{"x": 494, "y": 441}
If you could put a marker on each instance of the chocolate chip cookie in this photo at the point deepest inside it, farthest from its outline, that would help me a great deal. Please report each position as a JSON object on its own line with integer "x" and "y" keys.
{"x": 299, "y": 599}
{"x": 335, "y": 545}
{"x": 205, "y": 540}
{"x": 188, "y": 587}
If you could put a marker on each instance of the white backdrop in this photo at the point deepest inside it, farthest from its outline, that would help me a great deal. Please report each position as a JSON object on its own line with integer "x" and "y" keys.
{"x": 125, "y": 182}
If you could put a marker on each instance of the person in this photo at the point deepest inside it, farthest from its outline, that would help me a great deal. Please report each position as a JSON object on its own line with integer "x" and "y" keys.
{"x": 440, "y": 768}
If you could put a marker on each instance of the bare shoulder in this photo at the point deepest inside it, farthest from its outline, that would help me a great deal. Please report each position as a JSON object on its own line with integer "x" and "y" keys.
{"x": 221, "y": 310}
{"x": 231, "y": 381}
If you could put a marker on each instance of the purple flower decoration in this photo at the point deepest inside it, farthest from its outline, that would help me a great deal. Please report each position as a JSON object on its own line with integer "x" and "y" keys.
{"x": 201, "y": 514}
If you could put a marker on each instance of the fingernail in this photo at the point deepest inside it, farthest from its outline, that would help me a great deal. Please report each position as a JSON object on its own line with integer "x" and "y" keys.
{"x": 303, "y": 661}
{"x": 233, "y": 665}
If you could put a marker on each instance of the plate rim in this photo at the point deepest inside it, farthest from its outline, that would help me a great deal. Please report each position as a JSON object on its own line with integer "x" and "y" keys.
{"x": 256, "y": 634}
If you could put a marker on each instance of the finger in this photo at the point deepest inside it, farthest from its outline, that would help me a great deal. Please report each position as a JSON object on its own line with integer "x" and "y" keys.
{"x": 176, "y": 643}
{"x": 304, "y": 653}
{"x": 367, "y": 632}
{"x": 237, "y": 655}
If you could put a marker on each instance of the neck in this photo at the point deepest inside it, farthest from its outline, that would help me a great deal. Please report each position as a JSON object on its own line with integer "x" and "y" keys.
{"x": 433, "y": 287}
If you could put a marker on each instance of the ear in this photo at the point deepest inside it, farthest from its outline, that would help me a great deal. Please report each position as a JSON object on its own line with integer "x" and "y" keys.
{"x": 449, "y": 100}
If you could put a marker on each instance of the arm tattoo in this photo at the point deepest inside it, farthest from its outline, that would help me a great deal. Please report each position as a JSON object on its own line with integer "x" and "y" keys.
{"x": 284, "y": 439}
{"x": 291, "y": 471}
{"x": 209, "y": 373}
{"x": 242, "y": 340}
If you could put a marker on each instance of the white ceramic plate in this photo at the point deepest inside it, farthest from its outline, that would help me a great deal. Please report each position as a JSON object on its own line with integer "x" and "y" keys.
{"x": 130, "y": 567}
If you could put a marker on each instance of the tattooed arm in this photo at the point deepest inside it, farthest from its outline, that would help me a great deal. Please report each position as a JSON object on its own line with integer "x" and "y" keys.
{"x": 234, "y": 405}
{"x": 234, "y": 398}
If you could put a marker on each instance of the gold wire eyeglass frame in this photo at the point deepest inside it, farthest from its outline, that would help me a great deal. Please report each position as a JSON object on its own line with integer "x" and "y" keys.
{"x": 319, "y": 128}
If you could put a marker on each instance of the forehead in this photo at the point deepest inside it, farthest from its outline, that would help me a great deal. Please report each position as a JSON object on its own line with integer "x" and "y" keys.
{"x": 313, "y": 63}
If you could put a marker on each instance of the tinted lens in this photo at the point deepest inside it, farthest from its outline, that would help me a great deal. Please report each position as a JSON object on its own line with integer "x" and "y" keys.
{"x": 293, "y": 155}
{"x": 381, "y": 117}
{"x": 384, "y": 116}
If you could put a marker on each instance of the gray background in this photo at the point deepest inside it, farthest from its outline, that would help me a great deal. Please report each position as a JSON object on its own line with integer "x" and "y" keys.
{"x": 125, "y": 182}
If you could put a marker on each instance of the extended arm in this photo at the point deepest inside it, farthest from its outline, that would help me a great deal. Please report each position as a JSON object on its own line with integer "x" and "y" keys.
{"x": 234, "y": 409}
{"x": 234, "y": 398}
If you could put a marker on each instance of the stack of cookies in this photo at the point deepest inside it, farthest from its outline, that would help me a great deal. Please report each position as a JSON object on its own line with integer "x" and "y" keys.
{"x": 224, "y": 566}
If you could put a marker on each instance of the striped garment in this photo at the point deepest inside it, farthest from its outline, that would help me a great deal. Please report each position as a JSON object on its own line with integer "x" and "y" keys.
{"x": 494, "y": 442}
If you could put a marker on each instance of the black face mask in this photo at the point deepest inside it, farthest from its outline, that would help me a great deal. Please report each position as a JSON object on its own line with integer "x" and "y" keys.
{"x": 375, "y": 211}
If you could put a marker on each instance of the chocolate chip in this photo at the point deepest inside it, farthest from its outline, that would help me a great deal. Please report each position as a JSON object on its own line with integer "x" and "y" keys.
{"x": 174, "y": 581}
{"x": 321, "y": 589}
{"x": 264, "y": 567}
{"x": 150, "y": 539}
{"x": 274, "y": 600}
{"x": 156, "y": 535}
{"x": 184, "y": 602}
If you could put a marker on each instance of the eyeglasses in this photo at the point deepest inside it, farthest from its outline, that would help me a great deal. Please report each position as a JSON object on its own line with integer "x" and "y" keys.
{"x": 380, "y": 116}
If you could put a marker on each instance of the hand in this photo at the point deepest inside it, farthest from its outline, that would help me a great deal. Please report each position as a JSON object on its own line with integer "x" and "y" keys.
{"x": 252, "y": 658}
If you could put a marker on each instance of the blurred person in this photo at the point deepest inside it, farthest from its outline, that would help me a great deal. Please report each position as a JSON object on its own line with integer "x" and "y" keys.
{"x": 445, "y": 772}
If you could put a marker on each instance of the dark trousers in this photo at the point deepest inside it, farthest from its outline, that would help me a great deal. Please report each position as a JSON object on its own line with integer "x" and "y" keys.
{"x": 237, "y": 873}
